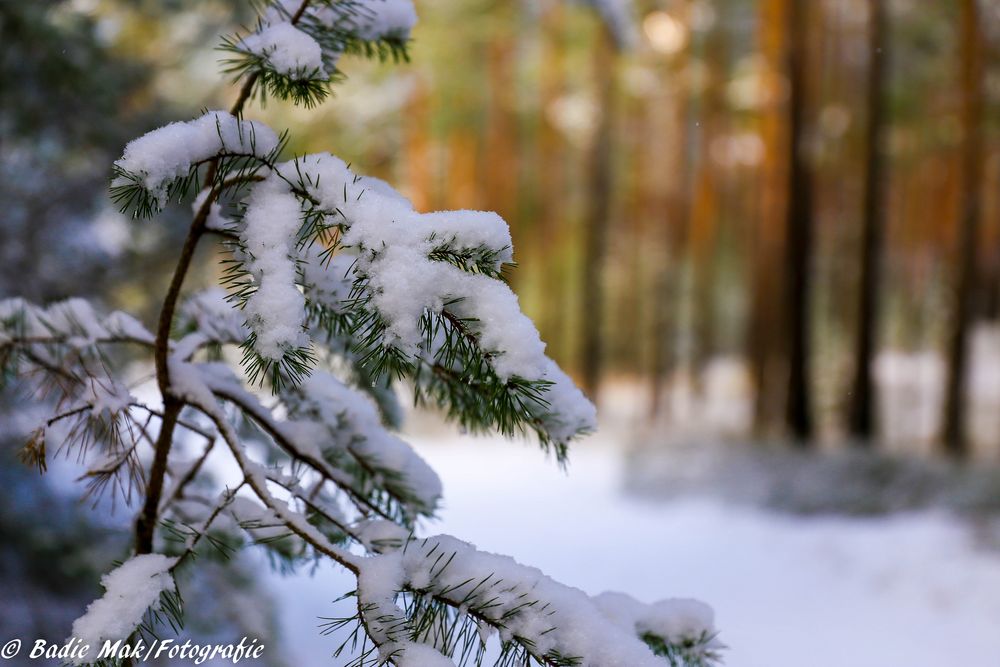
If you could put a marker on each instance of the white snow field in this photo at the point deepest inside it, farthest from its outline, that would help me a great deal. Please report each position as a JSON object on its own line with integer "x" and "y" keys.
{"x": 910, "y": 590}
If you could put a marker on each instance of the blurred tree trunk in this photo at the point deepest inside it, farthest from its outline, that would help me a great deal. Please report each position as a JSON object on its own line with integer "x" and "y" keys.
{"x": 670, "y": 213}
{"x": 798, "y": 407}
{"x": 704, "y": 219}
{"x": 417, "y": 149}
{"x": 598, "y": 214}
{"x": 502, "y": 141}
{"x": 463, "y": 175}
{"x": 553, "y": 183}
{"x": 767, "y": 337}
{"x": 971, "y": 40}
{"x": 631, "y": 256}
{"x": 861, "y": 418}
{"x": 991, "y": 277}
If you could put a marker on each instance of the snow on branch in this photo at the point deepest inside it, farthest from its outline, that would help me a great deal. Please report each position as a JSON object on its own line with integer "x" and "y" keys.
{"x": 443, "y": 594}
{"x": 353, "y": 435}
{"x": 210, "y": 314}
{"x": 335, "y": 431}
{"x": 437, "y": 601}
{"x": 72, "y": 322}
{"x": 384, "y": 19}
{"x": 163, "y": 164}
{"x": 275, "y": 310}
{"x": 263, "y": 526}
{"x": 287, "y": 50}
{"x": 365, "y": 27}
{"x": 426, "y": 298}
{"x": 426, "y": 601}
{"x": 193, "y": 389}
{"x": 63, "y": 346}
{"x": 134, "y": 587}
{"x": 294, "y": 49}
{"x": 680, "y": 629}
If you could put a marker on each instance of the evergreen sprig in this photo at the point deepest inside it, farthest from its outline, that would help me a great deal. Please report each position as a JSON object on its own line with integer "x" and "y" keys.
{"x": 452, "y": 372}
{"x": 458, "y": 628}
{"x": 307, "y": 88}
{"x": 294, "y": 365}
{"x": 482, "y": 260}
{"x": 332, "y": 24}
{"x": 230, "y": 171}
{"x": 699, "y": 651}
{"x": 339, "y": 35}
{"x": 129, "y": 192}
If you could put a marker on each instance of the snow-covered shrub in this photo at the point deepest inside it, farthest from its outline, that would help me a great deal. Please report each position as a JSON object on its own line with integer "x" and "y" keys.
{"x": 336, "y": 288}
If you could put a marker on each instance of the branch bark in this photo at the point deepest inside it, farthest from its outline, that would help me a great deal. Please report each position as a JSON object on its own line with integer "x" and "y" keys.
{"x": 146, "y": 523}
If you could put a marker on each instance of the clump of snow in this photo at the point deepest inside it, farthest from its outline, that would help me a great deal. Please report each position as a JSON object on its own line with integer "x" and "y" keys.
{"x": 377, "y": 534}
{"x": 261, "y": 523}
{"x": 675, "y": 621}
{"x": 287, "y": 50}
{"x": 77, "y": 316}
{"x": 379, "y": 19}
{"x": 215, "y": 221}
{"x": 276, "y": 309}
{"x": 364, "y": 19}
{"x": 379, "y": 580}
{"x": 168, "y": 153}
{"x": 568, "y": 412}
{"x": 405, "y": 280}
{"x": 109, "y": 397}
{"x": 210, "y": 313}
{"x": 130, "y": 589}
{"x": 421, "y": 655}
{"x": 187, "y": 383}
{"x": 353, "y": 424}
{"x": 327, "y": 281}
{"x": 74, "y": 321}
{"x": 123, "y": 325}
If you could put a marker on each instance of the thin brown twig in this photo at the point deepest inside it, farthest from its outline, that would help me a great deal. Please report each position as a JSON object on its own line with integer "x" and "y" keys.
{"x": 146, "y": 522}
{"x": 289, "y": 448}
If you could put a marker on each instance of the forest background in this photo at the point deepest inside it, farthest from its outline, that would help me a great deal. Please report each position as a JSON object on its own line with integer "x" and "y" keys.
{"x": 757, "y": 221}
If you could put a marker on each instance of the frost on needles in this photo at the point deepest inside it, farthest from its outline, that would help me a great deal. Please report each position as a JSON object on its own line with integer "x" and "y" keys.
{"x": 335, "y": 289}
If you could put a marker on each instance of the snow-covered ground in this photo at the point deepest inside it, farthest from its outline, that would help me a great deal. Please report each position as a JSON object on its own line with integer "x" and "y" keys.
{"x": 908, "y": 590}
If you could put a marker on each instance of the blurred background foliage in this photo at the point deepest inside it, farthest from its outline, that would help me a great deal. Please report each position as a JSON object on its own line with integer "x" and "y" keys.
{"x": 764, "y": 220}
{"x": 761, "y": 218}
{"x": 692, "y": 213}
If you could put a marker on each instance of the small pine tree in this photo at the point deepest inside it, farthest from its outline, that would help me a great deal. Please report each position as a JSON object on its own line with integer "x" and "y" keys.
{"x": 336, "y": 289}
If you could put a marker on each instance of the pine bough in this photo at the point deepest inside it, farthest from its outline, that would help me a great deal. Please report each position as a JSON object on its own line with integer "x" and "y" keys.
{"x": 336, "y": 288}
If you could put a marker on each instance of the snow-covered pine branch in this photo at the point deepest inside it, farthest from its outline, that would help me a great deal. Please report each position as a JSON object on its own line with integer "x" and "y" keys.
{"x": 164, "y": 164}
{"x": 133, "y": 589}
{"x": 419, "y": 294}
{"x": 293, "y": 51}
{"x": 442, "y": 592}
{"x": 337, "y": 288}
{"x": 63, "y": 351}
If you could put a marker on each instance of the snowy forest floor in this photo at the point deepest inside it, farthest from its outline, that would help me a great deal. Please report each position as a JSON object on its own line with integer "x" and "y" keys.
{"x": 912, "y": 588}
{"x": 845, "y": 481}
